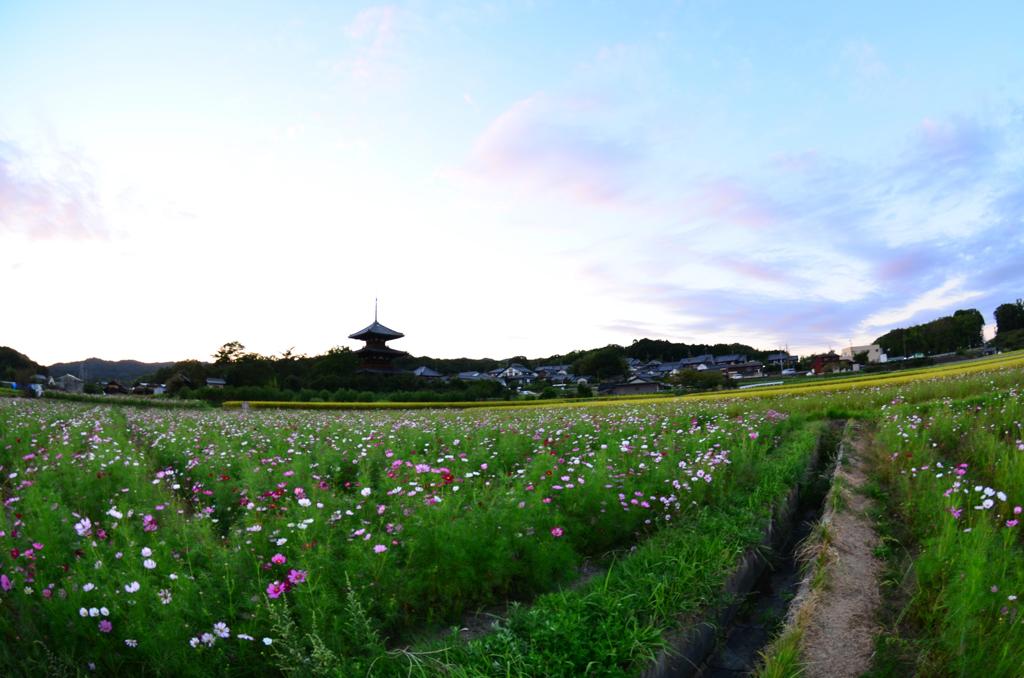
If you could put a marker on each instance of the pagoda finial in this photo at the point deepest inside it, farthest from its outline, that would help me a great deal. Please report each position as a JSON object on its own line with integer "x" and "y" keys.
{"x": 375, "y": 309}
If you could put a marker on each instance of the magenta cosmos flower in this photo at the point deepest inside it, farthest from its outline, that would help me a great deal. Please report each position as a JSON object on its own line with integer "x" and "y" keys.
{"x": 105, "y": 626}
{"x": 279, "y": 559}
{"x": 297, "y": 576}
{"x": 5, "y": 582}
{"x": 557, "y": 531}
{"x": 275, "y": 589}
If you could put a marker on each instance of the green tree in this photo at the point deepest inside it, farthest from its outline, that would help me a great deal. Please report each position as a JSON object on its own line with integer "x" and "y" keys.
{"x": 605, "y": 363}
{"x": 229, "y": 353}
{"x": 1010, "y": 317}
{"x": 340, "y": 361}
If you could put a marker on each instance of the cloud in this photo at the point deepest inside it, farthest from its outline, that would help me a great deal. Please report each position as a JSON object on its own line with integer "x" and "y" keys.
{"x": 817, "y": 250}
{"x": 550, "y": 146}
{"x": 373, "y": 32}
{"x": 49, "y": 196}
{"x": 868, "y": 72}
{"x": 944, "y": 296}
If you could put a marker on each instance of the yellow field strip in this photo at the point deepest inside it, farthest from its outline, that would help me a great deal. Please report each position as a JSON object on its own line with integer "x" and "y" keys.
{"x": 1014, "y": 359}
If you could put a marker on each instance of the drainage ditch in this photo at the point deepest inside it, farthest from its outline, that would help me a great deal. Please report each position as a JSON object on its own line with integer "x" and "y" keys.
{"x": 729, "y": 645}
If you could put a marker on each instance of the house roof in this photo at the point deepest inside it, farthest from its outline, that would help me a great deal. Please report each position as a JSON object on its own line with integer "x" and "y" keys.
{"x": 697, "y": 360}
{"x": 376, "y": 330}
{"x": 214, "y": 380}
{"x": 733, "y": 358}
{"x": 425, "y": 371}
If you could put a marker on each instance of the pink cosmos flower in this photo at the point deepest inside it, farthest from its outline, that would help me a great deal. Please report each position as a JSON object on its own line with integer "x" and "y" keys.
{"x": 380, "y": 548}
{"x": 279, "y": 559}
{"x": 1017, "y": 510}
{"x": 106, "y": 626}
{"x": 5, "y": 582}
{"x": 557, "y": 531}
{"x": 297, "y": 576}
{"x": 275, "y": 589}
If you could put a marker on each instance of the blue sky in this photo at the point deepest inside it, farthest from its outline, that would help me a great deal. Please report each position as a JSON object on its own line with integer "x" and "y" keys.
{"x": 507, "y": 177}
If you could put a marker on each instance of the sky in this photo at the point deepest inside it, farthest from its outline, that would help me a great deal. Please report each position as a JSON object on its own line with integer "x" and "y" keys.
{"x": 506, "y": 178}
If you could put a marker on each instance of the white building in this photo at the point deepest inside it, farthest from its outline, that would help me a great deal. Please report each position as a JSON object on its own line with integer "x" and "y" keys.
{"x": 874, "y": 352}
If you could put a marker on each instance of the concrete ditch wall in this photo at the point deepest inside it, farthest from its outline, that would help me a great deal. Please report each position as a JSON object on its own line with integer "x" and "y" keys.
{"x": 687, "y": 649}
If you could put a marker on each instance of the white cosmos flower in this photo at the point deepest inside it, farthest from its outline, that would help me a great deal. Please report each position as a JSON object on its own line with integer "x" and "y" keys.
{"x": 1001, "y": 495}
{"x": 83, "y": 612}
{"x": 132, "y": 588}
{"x": 149, "y": 563}
{"x": 93, "y": 612}
{"x": 365, "y": 492}
{"x": 105, "y": 612}
{"x": 147, "y": 552}
{"x": 988, "y": 503}
{"x": 88, "y": 587}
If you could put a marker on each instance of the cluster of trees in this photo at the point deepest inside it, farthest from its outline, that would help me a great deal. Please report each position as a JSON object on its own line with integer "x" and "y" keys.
{"x": 287, "y": 377}
{"x": 962, "y": 330}
{"x": 1010, "y": 326}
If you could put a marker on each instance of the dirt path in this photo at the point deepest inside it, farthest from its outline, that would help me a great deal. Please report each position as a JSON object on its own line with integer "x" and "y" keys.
{"x": 838, "y": 640}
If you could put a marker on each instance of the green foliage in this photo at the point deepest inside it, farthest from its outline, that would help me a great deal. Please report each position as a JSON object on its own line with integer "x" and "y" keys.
{"x": 1009, "y": 317}
{"x": 13, "y": 364}
{"x": 228, "y": 353}
{"x": 1011, "y": 340}
{"x": 701, "y": 380}
{"x": 548, "y": 393}
{"x": 604, "y": 363}
{"x": 584, "y": 391}
{"x": 943, "y": 335}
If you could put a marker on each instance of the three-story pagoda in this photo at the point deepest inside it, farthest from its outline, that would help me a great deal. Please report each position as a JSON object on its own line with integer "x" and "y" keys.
{"x": 377, "y": 356}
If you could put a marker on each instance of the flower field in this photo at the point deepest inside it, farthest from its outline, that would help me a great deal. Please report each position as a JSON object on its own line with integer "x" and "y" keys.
{"x": 956, "y": 473}
{"x": 210, "y": 542}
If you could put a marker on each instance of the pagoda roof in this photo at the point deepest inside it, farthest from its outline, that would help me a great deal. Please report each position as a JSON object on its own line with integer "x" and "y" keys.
{"x": 376, "y": 330}
{"x": 380, "y": 351}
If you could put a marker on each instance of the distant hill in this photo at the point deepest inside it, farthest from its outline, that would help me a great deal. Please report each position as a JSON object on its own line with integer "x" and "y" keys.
{"x": 96, "y": 369}
{"x": 12, "y": 363}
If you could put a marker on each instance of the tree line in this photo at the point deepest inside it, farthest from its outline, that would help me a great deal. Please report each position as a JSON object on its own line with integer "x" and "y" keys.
{"x": 960, "y": 331}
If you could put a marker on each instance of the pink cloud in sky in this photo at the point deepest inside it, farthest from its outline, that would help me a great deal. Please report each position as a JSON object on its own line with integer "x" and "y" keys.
{"x": 729, "y": 201}
{"x": 59, "y": 204}
{"x": 544, "y": 145}
{"x": 375, "y": 25}
{"x": 750, "y": 269}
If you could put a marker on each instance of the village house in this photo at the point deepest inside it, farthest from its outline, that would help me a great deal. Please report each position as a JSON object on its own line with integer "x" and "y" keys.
{"x": 874, "y": 352}
{"x": 748, "y": 370}
{"x": 822, "y": 360}
{"x": 70, "y": 383}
